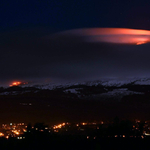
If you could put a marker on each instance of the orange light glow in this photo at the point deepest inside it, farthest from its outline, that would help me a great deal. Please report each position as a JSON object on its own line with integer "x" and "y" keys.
{"x": 1, "y": 134}
{"x": 142, "y": 136}
{"x": 24, "y": 130}
{"x": 15, "y": 132}
{"x": 15, "y": 83}
{"x": 84, "y": 123}
{"x": 113, "y": 35}
{"x": 139, "y": 43}
{"x": 59, "y": 126}
{"x": 18, "y": 83}
{"x": 116, "y": 31}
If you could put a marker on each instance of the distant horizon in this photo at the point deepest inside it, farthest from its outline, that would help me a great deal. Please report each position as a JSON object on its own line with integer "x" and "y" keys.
{"x": 58, "y": 82}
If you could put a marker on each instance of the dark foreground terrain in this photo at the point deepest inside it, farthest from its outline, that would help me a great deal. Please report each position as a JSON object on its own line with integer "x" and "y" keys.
{"x": 74, "y": 103}
{"x": 119, "y": 134}
{"x": 74, "y": 143}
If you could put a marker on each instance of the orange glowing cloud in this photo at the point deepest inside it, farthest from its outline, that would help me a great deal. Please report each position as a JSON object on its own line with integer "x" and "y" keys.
{"x": 113, "y": 35}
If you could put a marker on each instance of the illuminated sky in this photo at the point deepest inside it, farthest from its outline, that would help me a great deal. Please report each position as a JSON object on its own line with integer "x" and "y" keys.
{"x": 112, "y": 35}
{"x": 72, "y": 40}
{"x": 59, "y": 40}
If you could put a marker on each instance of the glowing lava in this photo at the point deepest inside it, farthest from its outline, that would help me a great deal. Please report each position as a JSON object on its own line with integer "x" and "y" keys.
{"x": 18, "y": 83}
{"x": 15, "y": 84}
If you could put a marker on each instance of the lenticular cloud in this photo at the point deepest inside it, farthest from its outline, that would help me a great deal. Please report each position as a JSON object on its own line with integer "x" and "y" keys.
{"x": 113, "y": 35}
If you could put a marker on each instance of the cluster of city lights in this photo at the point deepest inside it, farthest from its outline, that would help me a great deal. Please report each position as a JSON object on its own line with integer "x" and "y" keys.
{"x": 85, "y": 123}
{"x": 17, "y": 130}
{"x": 59, "y": 126}
{"x": 13, "y": 130}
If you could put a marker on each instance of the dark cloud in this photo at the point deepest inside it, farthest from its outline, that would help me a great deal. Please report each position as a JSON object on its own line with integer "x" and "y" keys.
{"x": 31, "y": 54}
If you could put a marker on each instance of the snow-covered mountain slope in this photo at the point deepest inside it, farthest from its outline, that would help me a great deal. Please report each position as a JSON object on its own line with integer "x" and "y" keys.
{"x": 100, "y": 89}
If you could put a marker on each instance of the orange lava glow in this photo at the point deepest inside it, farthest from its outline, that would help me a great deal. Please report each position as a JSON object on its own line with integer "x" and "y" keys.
{"x": 15, "y": 83}
{"x": 114, "y": 35}
{"x": 18, "y": 83}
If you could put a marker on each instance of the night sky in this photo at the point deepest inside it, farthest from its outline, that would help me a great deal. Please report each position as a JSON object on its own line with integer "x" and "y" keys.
{"x": 35, "y": 43}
